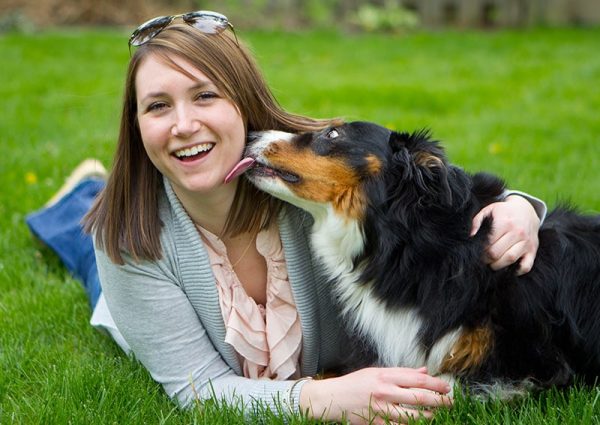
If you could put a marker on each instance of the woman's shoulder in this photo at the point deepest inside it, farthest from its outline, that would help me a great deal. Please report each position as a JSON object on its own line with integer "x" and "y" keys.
{"x": 179, "y": 236}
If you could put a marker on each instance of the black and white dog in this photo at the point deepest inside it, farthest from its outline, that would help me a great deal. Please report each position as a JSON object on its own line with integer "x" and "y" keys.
{"x": 391, "y": 226}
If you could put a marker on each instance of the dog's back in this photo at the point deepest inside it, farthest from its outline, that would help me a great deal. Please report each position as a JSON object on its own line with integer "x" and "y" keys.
{"x": 567, "y": 268}
{"x": 541, "y": 328}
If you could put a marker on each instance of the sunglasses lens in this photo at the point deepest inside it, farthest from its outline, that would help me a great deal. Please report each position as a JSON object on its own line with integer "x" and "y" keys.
{"x": 204, "y": 21}
{"x": 148, "y": 30}
{"x": 207, "y": 23}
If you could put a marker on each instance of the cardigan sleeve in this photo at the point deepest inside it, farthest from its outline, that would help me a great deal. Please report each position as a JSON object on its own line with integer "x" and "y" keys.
{"x": 165, "y": 334}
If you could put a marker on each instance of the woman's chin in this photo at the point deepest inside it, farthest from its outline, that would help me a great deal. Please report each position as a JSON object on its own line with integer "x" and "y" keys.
{"x": 204, "y": 185}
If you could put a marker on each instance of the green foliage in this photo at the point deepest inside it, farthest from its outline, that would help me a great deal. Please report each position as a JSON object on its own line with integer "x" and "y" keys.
{"x": 390, "y": 17}
{"x": 321, "y": 13}
{"x": 15, "y": 22}
{"x": 521, "y": 104}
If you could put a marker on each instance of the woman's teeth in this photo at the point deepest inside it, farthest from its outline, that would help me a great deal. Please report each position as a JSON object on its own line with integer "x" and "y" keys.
{"x": 194, "y": 150}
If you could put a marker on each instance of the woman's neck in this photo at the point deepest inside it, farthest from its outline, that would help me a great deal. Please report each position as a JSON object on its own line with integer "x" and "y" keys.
{"x": 208, "y": 210}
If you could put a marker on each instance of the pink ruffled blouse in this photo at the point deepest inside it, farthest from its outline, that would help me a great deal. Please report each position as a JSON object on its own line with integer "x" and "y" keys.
{"x": 268, "y": 339}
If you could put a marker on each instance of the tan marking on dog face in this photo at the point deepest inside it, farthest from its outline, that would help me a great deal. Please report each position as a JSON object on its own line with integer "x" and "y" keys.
{"x": 323, "y": 179}
{"x": 469, "y": 351}
{"x": 425, "y": 159}
{"x": 374, "y": 165}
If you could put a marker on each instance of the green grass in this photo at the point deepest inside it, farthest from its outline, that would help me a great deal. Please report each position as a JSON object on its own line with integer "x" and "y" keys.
{"x": 521, "y": 104}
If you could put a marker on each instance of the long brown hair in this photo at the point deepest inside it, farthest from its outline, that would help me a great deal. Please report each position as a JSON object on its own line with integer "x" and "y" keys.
{"x": 125, "y": 215}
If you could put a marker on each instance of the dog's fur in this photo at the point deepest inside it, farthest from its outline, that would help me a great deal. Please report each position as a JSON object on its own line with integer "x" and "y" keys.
{"x": 391, "y": 226}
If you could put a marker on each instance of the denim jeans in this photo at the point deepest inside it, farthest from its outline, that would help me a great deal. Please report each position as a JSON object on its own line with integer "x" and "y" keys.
{"x": 59, "y": 227}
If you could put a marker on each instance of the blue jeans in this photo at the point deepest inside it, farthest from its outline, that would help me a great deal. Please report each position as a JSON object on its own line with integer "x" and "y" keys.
{"x": 60, "y": 228}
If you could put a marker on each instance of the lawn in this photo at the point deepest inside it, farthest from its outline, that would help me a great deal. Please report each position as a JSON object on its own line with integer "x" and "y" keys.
{"x": 523, "y": 104}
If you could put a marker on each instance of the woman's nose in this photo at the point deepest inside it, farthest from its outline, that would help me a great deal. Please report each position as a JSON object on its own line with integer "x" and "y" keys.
{"x": 186, "y": 123}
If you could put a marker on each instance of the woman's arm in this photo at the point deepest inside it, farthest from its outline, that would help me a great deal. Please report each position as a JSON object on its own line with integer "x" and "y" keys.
{"x": 160, "y": 325}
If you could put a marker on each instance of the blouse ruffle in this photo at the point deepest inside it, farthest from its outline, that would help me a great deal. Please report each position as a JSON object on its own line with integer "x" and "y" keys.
{"x": 268, "y": 339}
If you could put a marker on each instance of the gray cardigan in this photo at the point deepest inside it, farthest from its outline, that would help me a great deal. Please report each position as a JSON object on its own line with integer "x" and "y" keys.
{"x": 169, "y": 314}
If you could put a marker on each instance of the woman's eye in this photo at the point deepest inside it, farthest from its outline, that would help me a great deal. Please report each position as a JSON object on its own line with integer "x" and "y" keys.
{"x": 332, "y": 134}
{"x": 157, "y": 106}
{"x": 206, "y": 95}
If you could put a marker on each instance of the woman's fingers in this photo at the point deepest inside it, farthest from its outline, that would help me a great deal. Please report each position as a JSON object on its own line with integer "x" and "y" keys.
{"x": 426, "y": 398}
{"x": 382, "y": 412}
{"x": 416, "y": 378}
{"x": 514, "y": 234}
{"x": 505, "y": 251}
{"x": 526, "y": 263}
{"x": 398, "y": 392}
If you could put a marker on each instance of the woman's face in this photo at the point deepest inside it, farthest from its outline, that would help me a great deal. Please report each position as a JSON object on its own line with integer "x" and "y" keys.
{"x": 192, "y": 134}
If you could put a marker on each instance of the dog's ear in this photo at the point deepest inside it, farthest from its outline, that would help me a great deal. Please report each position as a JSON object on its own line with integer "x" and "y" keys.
{"x": 398, "y": 140}
{"x": 425, "y": 152}
{"x": 423, "y": 161}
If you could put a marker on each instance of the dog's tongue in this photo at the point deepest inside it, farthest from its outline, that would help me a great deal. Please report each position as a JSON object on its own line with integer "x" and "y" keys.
{"x": 239, "y": 169}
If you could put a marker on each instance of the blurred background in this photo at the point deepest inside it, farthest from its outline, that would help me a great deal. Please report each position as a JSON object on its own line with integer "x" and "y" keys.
{"x": 509, "y": 86}
{"x": 374, "y": 15}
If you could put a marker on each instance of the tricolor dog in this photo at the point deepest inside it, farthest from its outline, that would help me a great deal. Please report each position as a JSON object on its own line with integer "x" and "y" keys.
{"x": 391, "y": 227}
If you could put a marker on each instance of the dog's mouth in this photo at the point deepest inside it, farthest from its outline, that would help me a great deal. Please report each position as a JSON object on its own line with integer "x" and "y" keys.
{"x": 259, "y": 169}
{"x": 266, "y": 171}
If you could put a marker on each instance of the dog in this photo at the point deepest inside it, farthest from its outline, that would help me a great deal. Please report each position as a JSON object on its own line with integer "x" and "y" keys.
{"x": 392, "y": 220}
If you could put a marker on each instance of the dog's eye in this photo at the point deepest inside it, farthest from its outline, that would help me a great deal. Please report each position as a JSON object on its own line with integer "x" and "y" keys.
{"x": 332, "y": 134}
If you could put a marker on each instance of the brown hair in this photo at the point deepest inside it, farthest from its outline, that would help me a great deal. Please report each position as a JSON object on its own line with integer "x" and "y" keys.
{"x": 125, "y": 216}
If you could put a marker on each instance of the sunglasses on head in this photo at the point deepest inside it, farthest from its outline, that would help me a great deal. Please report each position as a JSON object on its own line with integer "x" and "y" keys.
{"x": 204, "y": 20}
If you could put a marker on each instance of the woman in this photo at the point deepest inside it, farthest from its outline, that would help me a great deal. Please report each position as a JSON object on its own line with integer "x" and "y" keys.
{"x": 212, "y": 285}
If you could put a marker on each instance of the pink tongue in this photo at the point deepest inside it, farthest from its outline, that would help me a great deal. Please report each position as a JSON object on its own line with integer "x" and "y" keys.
{"x": 239, "y": 169}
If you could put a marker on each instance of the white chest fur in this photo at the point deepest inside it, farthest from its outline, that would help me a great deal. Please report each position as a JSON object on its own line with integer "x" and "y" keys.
{"x": 393, "y": 332}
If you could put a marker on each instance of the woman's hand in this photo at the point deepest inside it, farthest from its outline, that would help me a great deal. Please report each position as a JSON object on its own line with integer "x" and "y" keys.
{"x": 514, "y": 233}
{"x": 371, "y": 394}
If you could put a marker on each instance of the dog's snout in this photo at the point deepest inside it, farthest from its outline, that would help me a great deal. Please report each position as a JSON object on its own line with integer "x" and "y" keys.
{"x": 252, "y": 137}
{"x": 262, "y": 140}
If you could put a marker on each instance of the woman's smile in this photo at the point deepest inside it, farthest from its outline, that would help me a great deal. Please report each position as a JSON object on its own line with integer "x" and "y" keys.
{"x": 193, "y": 153}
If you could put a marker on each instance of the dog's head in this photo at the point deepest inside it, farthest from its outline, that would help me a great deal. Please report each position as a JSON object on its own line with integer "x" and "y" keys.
{"x": 346, "y": 167}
